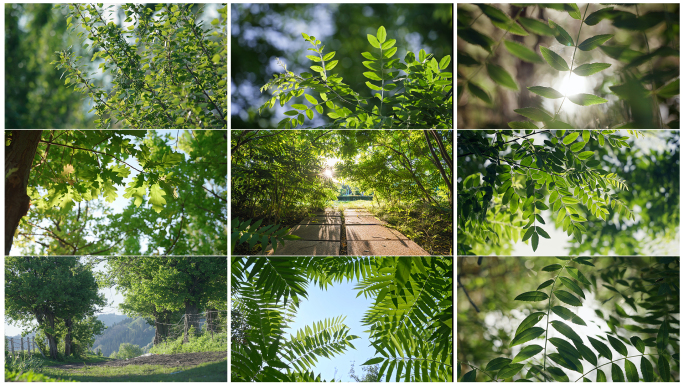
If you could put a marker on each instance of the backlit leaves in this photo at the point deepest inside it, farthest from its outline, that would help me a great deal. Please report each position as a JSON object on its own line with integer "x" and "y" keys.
{"x": 527, "y": 335}
{"x": 529, "y": 322}
{"x": 594, "y": 42}
{"x": 547, "y": 92}
{"x": 562, "y": 36}
{"x": 590, "y": 69}
{"x": 551, "y": 268}
{"x": 566, "y": 330}
{"x": 510, "y": 371}
{"x": 497, "y": 364}
{"x": 567, "y": 298}
{"x": 572, "y": 286}
{"x": 585, "y": 99}
{"x": 527, "y": 352}
{"x": 535, "y": 114}
{"x": 532, "y": 296}
{"x": 570, "y": 138}
{"x": 522, "y": 52}
{"x": 554, "y": 59}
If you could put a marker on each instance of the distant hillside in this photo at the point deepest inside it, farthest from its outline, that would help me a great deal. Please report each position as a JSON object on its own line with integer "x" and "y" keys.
{"x": 111, "y": 318}
{"x": 134, "y": 331}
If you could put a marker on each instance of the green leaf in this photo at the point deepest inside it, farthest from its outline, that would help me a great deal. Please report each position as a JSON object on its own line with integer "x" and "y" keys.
{"x": 646, "y": 369}
{"x": 631, "y": 371}
{"x": 300, "y": 106}
{"x": 474, "y": 37}
{"x": 551, "y": 268}
{"x": 528, "y": 233}
{"x": 554, "y": 60}
{"x": 374, "y": 360}
{"x": 522, "y": 52}
{"x": 590, "y": 69}
{"x": 540, "y": 205}
{"x": 566, "y": 360}
{"x": 618, "y": 345}
{"x": 526, "y": 353}
{"x": 536, "y": 26}
{"x": 510, "y": 371}
{"x": 331, "y": 65}
{"x": 156, "y": 198}
{"x": 535, "y": 114}
{"x": 389, "y": 44}
{"x": 479, "y": 93}
{"x": 545, "y": 284}
{"x": 585, "y": 99}
{"x": 585, "y": 155}
{"x": 529, "y": 322}
{"x": 328, "y": 56}
{"x": 578, "y": 146}
{"x": 373, "y": 41}
{"x": 372, "y": 76}
{"x": 444, "y": 63}
{"x": 547, "y": 92}
{"x": 572, "y": 286}
{"x": 311, "y": 99}
{"x": 566, "y": 330}
{"x": 561, "y": 344}
{"x": 599, "y": 15}
{"x": 558, "y": 374}
{"x": 532, "y": 296}
{"x": 543, "y": 233}
{"x": 574, "y": 272}
{"x": 497, "y": 364}
{"x": 382, "y": 35}
{"x": 567, "y": 298}
{"x": 562, "y": 36}
{"x": 663, "y": 337}
{"x": 601, "y": 348}
{"x": 600, "y": 376}
{"x": 501, "y": 77}
{"x": 594, "y": 42}
{"x": 527, "y": 335}
{"x": 587, "y": 353}
{"x": 669, "y": 90}
{"x": 570, "y": 138}
{"x": 638, "y": 343}
{"x": 535, "y": 241}
{"x": 470, "y": 376}
{"x": 618, "y": 376}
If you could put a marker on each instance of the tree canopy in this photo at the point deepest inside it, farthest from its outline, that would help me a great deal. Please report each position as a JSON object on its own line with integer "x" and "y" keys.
{"x": 602, "y": 66}
{"x": 613, "y": 193}
{"x": 175, "y": 187}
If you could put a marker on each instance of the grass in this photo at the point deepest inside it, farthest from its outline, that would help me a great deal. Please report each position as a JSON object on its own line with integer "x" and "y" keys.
{"x": 203, "y": 343}
{"x": 216, "y": 371}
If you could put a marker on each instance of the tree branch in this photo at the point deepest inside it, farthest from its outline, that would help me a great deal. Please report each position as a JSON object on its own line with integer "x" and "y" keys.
{"x": 458, "y": 278}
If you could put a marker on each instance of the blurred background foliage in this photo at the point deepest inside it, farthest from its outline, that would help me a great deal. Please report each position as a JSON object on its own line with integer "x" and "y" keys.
{"x": 260, "y": 33}
{"x": 656, "y": 33}
{"x": 650, "y": 167}
{"x": 492, "y": 283}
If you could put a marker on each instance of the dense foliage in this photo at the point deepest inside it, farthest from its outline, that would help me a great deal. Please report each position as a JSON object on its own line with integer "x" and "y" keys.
{"x": 601, "y": 187}
{"x": 425, "y": 102}
{"x": 168, "y": 69}
{"x": 642, "y": 293}
{"x": 278, "y": 176}
{"x": 176, "y": 189}
{"x": 634, "y": 73}
{"x": 409, "y": 322}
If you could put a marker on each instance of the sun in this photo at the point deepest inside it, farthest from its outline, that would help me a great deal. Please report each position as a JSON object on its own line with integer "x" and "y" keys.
{"x": 573, "y": 84}
{"x": 328, "y": 173}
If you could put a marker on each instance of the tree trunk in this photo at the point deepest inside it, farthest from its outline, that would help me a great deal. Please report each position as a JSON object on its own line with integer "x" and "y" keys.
{"x": 161, "y": 319}
{"x": 52, "y": 340}
{"x": 69, "y": 323}
{"x": 18, "y": 162}
{"x": 191, "y": 319}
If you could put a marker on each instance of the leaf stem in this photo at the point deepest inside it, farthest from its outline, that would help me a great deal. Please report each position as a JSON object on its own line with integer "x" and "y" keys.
{"x": 612, "y": 361}
{"x": 548, "y": 312}
{"x": 572, "y": 63}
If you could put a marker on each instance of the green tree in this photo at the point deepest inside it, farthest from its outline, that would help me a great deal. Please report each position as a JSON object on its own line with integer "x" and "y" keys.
{"x": 409, "y": 320}
{"x": 49, "y": 289}
{"x": 159, "y": 286}
{"x": 507, "y": 179}
{"x": 632, "y": 296}
{"x": 168, "y": 69}
{"x": 65, "y": 176}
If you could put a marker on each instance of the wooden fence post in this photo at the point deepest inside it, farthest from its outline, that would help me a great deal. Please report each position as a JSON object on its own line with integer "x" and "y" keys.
{"x": 12, "y": 344}
{"x": 21, "y": 341}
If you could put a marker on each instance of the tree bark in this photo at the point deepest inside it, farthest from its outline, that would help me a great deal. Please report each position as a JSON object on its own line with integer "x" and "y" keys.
{"x": 447, "y": 181}
{"x": 18, "y": 162}
{"x": 69, "y": 323}
{"x": 191, "y": 319}
{"x": 161, "y": 320}
{"x": 48, "y": 320}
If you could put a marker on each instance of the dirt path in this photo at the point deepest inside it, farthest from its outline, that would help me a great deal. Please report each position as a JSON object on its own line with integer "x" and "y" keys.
{"x": 364, "y": 235}
{"x": 177, "y": 360}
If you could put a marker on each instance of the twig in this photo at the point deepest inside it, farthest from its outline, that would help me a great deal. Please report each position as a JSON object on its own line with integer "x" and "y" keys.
{"x": 458, "y": 278}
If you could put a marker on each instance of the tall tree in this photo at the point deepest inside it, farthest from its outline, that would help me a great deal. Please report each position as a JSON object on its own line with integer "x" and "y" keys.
{"x": 48, "y": 289}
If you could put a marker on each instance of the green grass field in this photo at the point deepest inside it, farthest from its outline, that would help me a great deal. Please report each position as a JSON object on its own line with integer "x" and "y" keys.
{"x": 213, "y": 371}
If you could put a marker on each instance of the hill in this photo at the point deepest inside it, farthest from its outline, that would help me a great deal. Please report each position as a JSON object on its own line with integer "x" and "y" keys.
{"x": 134, "y": 331}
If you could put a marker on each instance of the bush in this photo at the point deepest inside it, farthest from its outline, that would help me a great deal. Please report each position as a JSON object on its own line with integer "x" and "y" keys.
{"x": 30, "y": 376}
{"x": 127, "y": 351}
{"x": 202, "y": 343}
{"x": 19, "y": 364}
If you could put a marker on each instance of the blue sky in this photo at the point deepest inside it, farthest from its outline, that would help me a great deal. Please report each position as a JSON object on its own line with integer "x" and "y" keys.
{"x": 340, "y": 299}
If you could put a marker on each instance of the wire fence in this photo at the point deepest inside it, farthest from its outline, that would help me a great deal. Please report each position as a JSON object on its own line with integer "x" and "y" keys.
{"x": 209, "y": 323}
{"x": 22, "y": 346}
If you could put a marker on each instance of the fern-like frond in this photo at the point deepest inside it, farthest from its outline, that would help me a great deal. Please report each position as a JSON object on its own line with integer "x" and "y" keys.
{"x": 323, "y": 339}
{"x": 278, "y": 277}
